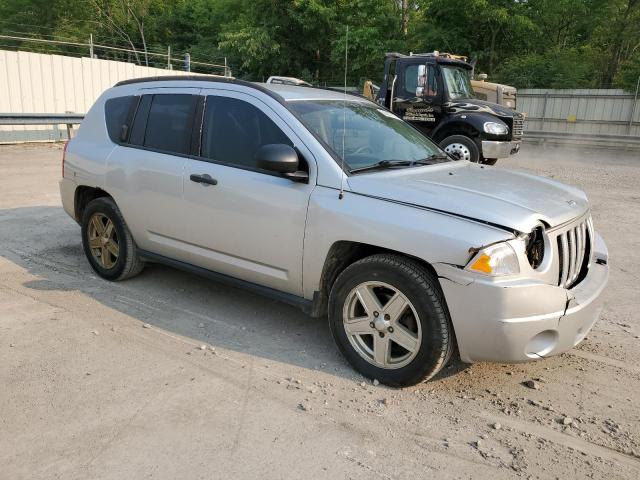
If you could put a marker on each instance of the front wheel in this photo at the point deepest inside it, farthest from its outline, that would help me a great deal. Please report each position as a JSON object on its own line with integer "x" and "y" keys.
{"x": 461, "y": 148}
{"x": 389, "y": 319}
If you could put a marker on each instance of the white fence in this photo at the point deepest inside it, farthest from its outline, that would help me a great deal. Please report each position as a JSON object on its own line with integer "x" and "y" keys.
{"x": 39, "y": 83}
{"x": 594, "y": 116}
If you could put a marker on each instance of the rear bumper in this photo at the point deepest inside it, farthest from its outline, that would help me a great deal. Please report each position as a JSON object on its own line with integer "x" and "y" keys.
{"x": 497, "y": 149}
{"x": 519, "y": 321}
{"x": 67, "y": 195}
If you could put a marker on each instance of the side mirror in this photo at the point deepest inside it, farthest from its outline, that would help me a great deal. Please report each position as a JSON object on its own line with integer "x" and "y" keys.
{"x": 280, "y": 158}
{"x": 422, "y": 80}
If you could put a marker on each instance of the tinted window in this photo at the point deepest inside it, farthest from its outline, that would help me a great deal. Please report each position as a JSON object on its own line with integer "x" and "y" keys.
{"x": 116, "y": 111}
{"x": 411, "y": 79}
{"x": 169, "y": 123}
{"x": 233, "y": 130}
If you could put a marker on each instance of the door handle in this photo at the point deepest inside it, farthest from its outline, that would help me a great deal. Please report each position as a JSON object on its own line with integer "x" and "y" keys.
{"x": 204, "y": 179}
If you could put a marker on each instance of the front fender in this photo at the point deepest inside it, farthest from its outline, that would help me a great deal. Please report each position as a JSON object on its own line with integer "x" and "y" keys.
{"x": 470, "y": 121}
{"x": 425, "y": 234}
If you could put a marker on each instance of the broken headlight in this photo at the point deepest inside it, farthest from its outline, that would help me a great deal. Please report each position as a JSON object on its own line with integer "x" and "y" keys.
{"x": 534, "y": 247}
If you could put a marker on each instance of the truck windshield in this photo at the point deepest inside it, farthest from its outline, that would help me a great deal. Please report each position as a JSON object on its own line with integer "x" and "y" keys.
{"x": 372, "y": 136}
{"x": 457, "y": 81}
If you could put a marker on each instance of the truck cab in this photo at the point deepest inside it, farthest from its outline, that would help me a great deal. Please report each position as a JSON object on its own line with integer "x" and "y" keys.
{"x": 433, "y": 92}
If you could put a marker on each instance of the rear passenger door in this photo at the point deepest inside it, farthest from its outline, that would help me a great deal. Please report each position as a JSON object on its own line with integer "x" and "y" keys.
{"x": 146, "y": 171}
{"x": 251, "y": 223}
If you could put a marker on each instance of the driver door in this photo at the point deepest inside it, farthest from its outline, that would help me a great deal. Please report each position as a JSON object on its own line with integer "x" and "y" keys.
{"x": 419, "y": 96}
{"x": 246, "y": 222}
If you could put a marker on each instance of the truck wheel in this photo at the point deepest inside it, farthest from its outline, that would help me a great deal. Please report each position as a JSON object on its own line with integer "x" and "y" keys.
{"x": 107, "y": 242}
{"x": 461, "y": 147}
{"x": 389, "y": 319}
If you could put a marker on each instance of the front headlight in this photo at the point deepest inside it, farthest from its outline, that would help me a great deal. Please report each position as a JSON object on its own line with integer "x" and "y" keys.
{"x": 495, "y": 260}
{"x": 494, "y": 128}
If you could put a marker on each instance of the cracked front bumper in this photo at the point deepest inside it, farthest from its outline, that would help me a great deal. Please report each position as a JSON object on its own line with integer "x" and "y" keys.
{"x": 517, "y": 320}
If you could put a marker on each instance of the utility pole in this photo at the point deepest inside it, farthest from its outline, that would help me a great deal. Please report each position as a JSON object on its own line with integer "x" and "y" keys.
{"x": 633, "y": 107}
{"x": 225, "y": 67}
{"x": 91, "y": 45}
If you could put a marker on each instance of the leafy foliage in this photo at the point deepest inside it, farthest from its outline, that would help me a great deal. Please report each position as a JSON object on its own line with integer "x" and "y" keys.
{"x": 526, "y": 43}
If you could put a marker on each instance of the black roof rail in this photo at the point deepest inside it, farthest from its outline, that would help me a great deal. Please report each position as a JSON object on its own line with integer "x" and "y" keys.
{"x": 203, "y": 78}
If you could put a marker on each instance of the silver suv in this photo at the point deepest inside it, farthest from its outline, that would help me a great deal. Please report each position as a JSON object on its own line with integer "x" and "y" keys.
{"x": 335, "y": 205}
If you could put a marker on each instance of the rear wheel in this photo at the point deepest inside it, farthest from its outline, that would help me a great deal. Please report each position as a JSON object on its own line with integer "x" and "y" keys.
{"x": 388, "y": 318}
{"x": 461, "y": 148}
{"x": 107, "y": 242}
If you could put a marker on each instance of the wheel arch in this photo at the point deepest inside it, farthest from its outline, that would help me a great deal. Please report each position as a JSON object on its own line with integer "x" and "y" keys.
{"x": 83, "y": 195}
{"x": 342, "y": 254}
{"x": 455, "y": 128}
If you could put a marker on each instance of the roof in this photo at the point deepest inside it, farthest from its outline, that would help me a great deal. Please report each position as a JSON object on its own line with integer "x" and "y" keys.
{"x": 278, "y": 91}
{"x": 293, "y": 92}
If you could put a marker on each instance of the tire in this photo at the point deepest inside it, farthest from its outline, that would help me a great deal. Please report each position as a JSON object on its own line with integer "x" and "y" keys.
{"x": 463, "y": 146}
{"x": 102, "y": 253}
{"x": 431, "y": 338}
{"x": 489, "y": 161}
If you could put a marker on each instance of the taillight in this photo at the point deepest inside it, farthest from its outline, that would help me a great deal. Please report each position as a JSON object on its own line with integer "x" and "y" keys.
{"x": 64, "y": 153}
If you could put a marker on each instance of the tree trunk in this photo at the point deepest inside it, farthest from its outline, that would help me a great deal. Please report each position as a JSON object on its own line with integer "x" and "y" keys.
{"x": 615, "y": 55}
{"x": 405, "y": 17}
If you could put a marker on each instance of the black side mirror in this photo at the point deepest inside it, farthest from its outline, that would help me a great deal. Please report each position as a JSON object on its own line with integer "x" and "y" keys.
{"x": 282, "y": 159}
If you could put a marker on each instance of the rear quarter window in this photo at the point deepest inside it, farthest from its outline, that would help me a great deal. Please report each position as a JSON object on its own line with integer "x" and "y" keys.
{"x": 116, "y": 111}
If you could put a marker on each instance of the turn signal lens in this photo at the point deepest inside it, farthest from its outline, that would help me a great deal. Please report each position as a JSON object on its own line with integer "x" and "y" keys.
{"x": 495, "y": 260}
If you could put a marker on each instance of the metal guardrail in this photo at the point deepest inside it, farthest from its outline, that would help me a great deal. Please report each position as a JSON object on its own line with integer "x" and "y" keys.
{"x": 584, "y": 139}
{"x": 68, "y": 119}
{"x": 41, "y": 118}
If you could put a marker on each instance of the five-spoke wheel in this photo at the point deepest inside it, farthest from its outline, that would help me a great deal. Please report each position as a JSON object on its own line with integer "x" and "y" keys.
{"x": 103, "y": 240}
{"x": 388, "y": 318}
{"x": 382, "y": 324}
{"x": 107, "y": 241}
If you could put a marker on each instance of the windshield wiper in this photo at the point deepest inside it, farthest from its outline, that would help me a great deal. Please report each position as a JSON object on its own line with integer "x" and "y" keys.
{"x": 382, "y": 164}
{"x": 431, "y": 158}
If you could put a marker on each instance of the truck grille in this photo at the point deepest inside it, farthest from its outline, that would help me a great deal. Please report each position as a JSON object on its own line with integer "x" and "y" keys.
{"x": 518, "y": 127}
{"x": 574, "y": 252}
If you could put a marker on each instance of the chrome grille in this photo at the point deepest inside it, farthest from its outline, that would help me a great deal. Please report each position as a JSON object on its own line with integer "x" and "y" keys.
{"x": 574, "y": 252}
{"x": 518, "y": 126}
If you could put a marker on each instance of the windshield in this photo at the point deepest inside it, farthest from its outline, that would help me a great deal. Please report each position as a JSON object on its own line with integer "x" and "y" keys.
{"x": 373, "y": 136}
{"x": 457, "y": 81}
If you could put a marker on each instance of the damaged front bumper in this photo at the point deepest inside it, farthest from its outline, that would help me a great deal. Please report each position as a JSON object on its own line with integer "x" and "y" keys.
{"x": 519, "y": 320}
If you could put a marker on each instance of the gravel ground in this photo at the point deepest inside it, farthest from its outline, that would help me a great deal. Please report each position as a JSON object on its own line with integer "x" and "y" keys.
{"x": 171, "y": 376}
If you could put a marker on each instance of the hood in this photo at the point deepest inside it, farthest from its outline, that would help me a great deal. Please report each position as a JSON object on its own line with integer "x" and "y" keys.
{"x": 472, "y": 105}
{"x": 511, "y": 200}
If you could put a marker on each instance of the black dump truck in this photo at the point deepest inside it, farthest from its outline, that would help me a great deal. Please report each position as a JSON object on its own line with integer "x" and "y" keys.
{"x": 433, "y": 92}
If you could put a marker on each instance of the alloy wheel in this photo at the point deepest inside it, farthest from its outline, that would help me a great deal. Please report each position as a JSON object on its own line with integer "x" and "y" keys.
{"x": 103, "y": 240}
{"x": 382, "y": 325}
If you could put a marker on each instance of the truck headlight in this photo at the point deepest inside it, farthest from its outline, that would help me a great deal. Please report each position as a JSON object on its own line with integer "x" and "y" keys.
{"x": 495, "y": 260}
{"x": 494, "y": 128}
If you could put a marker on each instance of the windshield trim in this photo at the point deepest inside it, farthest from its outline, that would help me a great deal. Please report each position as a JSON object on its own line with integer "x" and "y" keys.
{"x": 344, "y": 166}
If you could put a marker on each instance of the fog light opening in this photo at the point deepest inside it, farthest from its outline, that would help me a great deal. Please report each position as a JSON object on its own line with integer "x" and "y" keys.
{"x": 542, "y": 344}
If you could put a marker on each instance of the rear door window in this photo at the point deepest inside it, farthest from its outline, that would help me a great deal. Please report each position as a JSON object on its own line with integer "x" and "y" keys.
{"x": 116, "y": 111}
{"x": 170, "y": 122}
{"x": 233, "y": 130}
